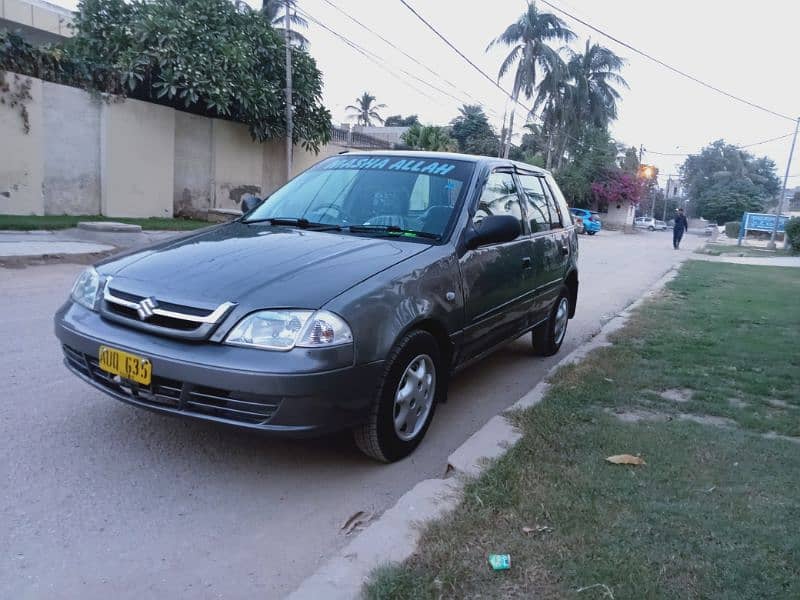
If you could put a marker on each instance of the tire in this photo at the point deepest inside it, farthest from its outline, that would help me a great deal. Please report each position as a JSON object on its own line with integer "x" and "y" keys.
{"x": 651, "y": 228}
{"x": 380, "y": 438}
{"x": 591, "y": 232}
{"x": 548, "y": 337}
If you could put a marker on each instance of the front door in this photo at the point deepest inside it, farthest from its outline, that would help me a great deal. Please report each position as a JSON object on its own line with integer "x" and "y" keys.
{"x": 498, "y": 290}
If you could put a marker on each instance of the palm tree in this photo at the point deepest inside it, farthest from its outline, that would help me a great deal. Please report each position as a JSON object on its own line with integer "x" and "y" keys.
{"x": 578, "y": 95}
{"x": 594, "y": 73}
{"x": 365, "y": 110}
{"x": 429, "y": 137}
{"x": 275, "y": 12}
{"x": 528, "y": 38}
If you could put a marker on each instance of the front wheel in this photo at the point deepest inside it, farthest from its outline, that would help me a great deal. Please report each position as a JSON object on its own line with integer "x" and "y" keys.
{"x": 651, "y": 228}
{"x": 591, "y": 232}
{"x": 548, "y": 337}
{"x": 412, "y": 385}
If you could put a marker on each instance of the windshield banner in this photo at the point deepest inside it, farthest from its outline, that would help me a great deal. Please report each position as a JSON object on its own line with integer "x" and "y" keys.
{"x": 414, "y": 165}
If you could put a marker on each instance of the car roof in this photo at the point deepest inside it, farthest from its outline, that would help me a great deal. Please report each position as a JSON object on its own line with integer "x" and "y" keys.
{"x": 493, "y": 160}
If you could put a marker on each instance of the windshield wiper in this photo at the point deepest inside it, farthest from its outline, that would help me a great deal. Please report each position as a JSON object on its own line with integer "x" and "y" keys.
{"x": 393, "y": 229}
{"x": 301, "y": 223}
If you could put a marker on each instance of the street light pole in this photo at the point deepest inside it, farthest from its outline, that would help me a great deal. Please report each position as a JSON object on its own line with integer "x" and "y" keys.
{"x": 779, "y": 209}
{"x": 289, "y": 124}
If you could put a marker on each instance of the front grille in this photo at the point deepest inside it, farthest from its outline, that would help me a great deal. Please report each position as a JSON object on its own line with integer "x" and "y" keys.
{"x": 182, "y": 396}
{"x": 160, "y": 316}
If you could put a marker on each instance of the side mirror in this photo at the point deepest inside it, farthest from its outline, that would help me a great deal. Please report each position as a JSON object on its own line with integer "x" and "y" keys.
{"x": 250, "y": 202}
{"x": 494, "y": 229}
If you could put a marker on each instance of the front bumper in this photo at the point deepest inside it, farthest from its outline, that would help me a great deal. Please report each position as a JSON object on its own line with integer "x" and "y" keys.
{"x": 289, "y": 393}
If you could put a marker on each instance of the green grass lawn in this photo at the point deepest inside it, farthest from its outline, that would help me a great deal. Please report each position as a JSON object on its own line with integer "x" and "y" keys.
{"x": 29, "y": 223}
{"x": 715, "y": 511}
{"x": 734, "y": 250}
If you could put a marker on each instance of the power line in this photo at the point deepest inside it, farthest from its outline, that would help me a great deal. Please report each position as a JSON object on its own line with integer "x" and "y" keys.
{"x": 407, "y": 55}
{"x": 663, "y": 64}
{"x": 464, "y": 56}
{"x": 377, "y": 60}
{"x": 740, "y": 147}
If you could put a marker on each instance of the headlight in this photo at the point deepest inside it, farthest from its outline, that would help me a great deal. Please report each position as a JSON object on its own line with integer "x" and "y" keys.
{"x": 286, "y": 329}
{"x": 84, "y": 292}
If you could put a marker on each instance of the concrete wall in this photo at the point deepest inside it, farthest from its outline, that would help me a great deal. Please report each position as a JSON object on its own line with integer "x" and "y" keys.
{"x": 36, "y": 15}
{"x": 192, "y": 183}
{"x": 89, "y": 155}
{"x": 137, "y": 149}
{"x": 71, "y": 151}
{"x": 237, "y": 164}
{"x": 21, "y": 164}
{"x": 619, "y": 218}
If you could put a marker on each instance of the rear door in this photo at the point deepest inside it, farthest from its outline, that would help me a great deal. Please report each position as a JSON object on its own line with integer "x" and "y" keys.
{"x": 550, "y": 251}
{"x": 498, "y": 278}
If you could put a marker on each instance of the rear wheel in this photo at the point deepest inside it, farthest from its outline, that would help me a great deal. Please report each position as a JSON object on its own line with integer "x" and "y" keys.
{"x": 651, "y": 228}
{"x": 406, "y": 399}
{"x": 548, "y": 337}
{"x": 591, "y": 232}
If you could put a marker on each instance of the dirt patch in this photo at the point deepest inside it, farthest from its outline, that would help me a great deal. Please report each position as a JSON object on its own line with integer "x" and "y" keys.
{"x": 787, "y": 438}
{"x": 738, "y": 403}
{"x": 638, "y": 415}
{"x": 779, "y": 403}
{"x": 677, "y": 395}
{"x": 709, "y": 420}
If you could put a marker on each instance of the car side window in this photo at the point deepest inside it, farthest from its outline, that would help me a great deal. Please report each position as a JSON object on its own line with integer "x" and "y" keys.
{"x": 539, "y": 215}
{"x": 559, "y": 201}
{"x": 499, "y": 197}
{"x": 556, "y": 218}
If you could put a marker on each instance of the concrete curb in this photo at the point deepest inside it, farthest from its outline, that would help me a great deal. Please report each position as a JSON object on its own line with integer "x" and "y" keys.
{"x": 393, "y": 537}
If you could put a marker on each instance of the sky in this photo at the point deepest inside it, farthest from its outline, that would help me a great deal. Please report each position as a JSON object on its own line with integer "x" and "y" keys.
{"x": 744, "y": 48}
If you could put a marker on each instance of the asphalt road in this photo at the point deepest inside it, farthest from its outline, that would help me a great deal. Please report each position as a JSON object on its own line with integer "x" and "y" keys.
{"x": 101, "y": 500}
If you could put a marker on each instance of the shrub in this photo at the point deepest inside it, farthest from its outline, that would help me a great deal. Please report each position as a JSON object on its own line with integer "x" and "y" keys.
{"x": 732, "y": 229}
{"x": 793, "y": 233}
{"x": 209, "y": 57}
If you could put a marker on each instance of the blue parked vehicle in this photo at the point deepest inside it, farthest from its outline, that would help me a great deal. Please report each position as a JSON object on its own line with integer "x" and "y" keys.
{"x": 590, "y": 221}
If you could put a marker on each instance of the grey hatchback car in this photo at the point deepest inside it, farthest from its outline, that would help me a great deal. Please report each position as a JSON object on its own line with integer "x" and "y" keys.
{"x": 345, "y": 300}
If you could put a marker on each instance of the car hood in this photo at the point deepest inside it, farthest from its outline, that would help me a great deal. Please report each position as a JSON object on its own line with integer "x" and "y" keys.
{"x": 256, "y": 265}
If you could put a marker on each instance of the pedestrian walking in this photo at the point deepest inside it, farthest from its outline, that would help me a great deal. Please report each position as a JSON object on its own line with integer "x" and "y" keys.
{"x": 679, "y": 228}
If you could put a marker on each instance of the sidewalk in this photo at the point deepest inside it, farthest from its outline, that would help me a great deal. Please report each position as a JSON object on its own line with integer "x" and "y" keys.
{"x": 22, "y": 245}
{"x": 777, "y": 261}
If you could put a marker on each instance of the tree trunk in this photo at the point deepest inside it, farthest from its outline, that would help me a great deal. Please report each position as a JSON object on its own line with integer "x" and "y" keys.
{"x": 510, "y": 131}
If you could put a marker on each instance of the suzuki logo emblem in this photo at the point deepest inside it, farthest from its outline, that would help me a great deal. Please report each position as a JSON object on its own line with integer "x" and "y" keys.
{"x": 146, "y": 307}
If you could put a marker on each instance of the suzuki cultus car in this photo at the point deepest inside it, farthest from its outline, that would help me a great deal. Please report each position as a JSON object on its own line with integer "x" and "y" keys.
{"x": 345, "y": 300}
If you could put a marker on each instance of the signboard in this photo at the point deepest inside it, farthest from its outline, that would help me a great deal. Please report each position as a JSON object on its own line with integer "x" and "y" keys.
{"x": 760, "y": 222}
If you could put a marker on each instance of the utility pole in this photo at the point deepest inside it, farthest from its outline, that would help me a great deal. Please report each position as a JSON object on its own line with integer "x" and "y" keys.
{"x": 779, "y": 210}
{"x": 641, "y": 150}
{"x": 289, "y": 109}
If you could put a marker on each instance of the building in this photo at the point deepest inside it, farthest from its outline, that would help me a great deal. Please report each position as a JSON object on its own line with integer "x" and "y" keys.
{"x": 390, "y": 135}
{"x": 673, "y": 188}
{"x": 37, "y": 21}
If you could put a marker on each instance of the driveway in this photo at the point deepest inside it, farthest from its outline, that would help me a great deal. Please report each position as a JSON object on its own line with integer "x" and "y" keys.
{"x": 101, "y": 500}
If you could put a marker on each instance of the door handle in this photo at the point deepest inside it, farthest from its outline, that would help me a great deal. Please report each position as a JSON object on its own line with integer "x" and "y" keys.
{"x": 526, "y": 262}
{"x": 565, "y": 250}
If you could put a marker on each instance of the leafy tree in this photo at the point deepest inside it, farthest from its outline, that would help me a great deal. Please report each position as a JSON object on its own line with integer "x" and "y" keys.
{"x": 473, "y": 132}
{"x": 275, "y": 13}
{"x": 630, "y": 161}
{"x": 365, "y": 110}
{"x": 594, "y": 158}
{"x": 528, "y": 38}
{"x": 429, "y": 137}
{"x": 400, "y": 121}
{"x": 722, "y": 173}
{"x": 728, "y": 200}
{"x": 204, "y": 56}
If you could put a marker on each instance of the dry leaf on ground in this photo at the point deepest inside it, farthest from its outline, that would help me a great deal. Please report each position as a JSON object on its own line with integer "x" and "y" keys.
{"x": 626, "y": 459}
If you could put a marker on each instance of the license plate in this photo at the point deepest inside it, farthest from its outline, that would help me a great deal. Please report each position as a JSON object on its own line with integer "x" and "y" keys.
{"x": 126, "y": 365}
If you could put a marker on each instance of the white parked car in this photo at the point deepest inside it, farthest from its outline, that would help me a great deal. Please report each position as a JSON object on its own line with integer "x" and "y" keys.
{"x": 649, "y": 223}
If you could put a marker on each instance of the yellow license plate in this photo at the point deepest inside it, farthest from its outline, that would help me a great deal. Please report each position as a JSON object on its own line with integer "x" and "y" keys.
{"x": 127, "y": 366}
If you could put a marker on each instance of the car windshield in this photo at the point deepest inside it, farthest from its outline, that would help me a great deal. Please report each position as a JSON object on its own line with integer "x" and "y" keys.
{"x": 373, "y": 195}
